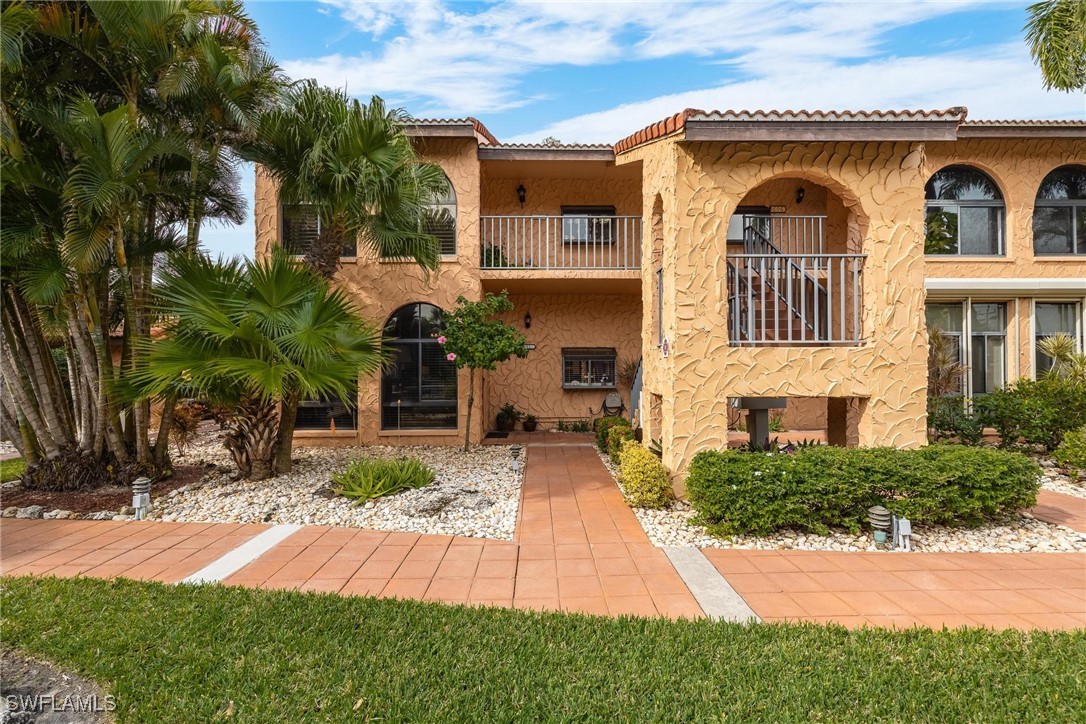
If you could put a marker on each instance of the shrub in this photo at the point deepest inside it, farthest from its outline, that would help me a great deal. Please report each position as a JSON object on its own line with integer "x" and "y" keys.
{"x": 369, "y": 479}
{"x": 819, "y": 487}
{"x": 1038, "y": 412}
{"x": 948, "y": 419}
{"x": 1072, "y": 451}
{"x": 644, "y": 479}
{"x": 185, "y": 423}
{"x": 616, "y": 437}
{"x": 603, "y": 425}
{"x": 580, "y": 426}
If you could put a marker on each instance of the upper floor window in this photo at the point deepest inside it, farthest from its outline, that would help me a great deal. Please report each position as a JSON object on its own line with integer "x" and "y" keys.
{"x": 588, "y": 224}
{"x": 301, "y": 224}
{"x": 1059, "y": 214}
{"x": 441, "y": 220}
{"x": 964, "y": 213}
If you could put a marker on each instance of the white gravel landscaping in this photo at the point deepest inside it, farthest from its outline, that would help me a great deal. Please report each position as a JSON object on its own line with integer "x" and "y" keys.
{"x": 475, "y": 494}
{"x": 1023, "y": 533}
{"x": 1053, "y": 479}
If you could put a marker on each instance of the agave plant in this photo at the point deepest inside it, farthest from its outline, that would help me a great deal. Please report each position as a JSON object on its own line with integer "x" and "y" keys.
{"x": 1067, "y": 361}
{"x": 370, "y": 479}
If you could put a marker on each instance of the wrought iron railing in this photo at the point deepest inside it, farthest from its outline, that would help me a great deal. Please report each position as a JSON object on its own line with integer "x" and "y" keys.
{"x": 560, "y": 242}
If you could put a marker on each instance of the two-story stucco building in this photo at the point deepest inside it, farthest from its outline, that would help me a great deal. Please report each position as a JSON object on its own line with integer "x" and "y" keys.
{"x": 715, "y": 257}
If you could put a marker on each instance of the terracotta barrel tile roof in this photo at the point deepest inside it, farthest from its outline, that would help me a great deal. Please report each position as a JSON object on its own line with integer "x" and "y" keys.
{"x": 475, "y": 123}
{"x": 957, "y": 113}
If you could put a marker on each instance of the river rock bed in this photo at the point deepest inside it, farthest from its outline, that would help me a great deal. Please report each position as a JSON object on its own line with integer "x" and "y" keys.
{"x": 1021, "y": 533}
{"x": 474, "y": 494}
{"x": 1058, "y": 481}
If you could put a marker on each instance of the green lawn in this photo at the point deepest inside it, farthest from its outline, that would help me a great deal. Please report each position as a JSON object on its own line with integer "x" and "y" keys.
{"x": 184, "y": 653}
{"x": 11, "y": 469}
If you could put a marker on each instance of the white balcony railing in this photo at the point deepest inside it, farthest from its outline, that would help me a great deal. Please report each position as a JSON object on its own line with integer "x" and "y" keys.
{"x": 560, "y": 242}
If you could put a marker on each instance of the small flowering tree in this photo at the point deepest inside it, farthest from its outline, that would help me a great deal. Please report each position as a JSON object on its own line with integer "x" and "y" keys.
{"x": 475, "y": 338}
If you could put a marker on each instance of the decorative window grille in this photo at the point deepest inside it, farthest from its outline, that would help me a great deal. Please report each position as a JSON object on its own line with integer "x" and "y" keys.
{"x": 588, "y": 368}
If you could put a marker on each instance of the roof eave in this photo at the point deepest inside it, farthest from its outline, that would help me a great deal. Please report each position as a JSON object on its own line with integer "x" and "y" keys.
{"x": 806, "y": 130}
{"x": 465, "y": 130}
{"x": 546, "y": 154}
{"x": 1023, "y": 131}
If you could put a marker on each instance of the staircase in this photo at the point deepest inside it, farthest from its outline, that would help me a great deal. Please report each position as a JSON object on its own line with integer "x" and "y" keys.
{"x": 788, "y": 299}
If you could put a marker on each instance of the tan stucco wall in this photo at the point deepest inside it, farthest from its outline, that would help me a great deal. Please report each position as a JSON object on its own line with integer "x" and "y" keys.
{"x": 534, "y": 384}
{"x": 380, "y": 288}
{"x": 549, "y": 195}
{"x": 1017, "y": 167}
{"x": 882, "y": 185}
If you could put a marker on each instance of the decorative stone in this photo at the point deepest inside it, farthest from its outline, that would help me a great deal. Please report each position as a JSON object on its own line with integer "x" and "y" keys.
{"x": 10, "y": 511}
{"x": 31, "y": 511}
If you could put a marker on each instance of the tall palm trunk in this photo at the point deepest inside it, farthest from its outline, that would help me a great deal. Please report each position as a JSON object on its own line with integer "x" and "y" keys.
{"x": 109, "y": 419}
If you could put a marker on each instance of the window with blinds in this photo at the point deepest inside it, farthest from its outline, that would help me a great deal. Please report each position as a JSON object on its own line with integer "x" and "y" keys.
{"x": 441, "y": 220}
{"x": 588, "y": 368}
{"x": 588, "y": 224}
{"x": 301, "y": 225}
{"x": 321, "y": 413}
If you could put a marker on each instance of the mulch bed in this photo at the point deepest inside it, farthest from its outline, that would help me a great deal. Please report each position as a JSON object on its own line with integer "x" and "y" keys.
{"x": 92, "y": 501}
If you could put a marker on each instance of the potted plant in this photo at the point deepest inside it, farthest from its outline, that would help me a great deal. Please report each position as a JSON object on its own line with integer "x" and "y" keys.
{"x": 507, "y": 417}
{"x": 530, "y": 422}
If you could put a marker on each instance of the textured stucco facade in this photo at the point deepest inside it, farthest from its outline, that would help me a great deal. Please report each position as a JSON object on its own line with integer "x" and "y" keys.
{"x": 872, "y": 195}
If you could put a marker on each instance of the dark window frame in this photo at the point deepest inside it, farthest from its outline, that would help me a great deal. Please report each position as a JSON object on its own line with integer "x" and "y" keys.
{"x": 1078, "y": 215}
{"x": 596, "y": 227}
{"x": 1040, "y": 359}
{"x": 956, "y": 205}
{"x": 308, "y": 416}
{"x": 451, "y": 405}
{"x": 590, "y": 358}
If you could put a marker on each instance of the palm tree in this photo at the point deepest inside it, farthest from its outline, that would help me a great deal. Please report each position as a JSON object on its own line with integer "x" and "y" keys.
{"x": 247, "y": 335}
{"x": 1056, "y": 33}
{"x": 355, "y": 164}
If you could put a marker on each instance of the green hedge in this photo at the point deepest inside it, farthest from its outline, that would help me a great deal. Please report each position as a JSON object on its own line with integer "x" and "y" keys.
{"x": 819, "y": 487}
{"x": 645, "y": 482}
{"x": 1038, "y": 412}
{"x": 603, "y": 425}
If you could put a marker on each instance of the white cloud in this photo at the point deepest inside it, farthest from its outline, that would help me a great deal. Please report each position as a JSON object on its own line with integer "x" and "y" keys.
{"x": 442, "y": 58}
{"x": 996, "y": 82}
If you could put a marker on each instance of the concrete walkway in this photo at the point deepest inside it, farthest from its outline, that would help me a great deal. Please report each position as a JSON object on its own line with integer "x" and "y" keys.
{"x": 578, "y": 547}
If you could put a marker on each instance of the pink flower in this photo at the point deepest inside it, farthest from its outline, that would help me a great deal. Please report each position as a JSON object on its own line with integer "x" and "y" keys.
{"x": 451, "y": 357}
{"x": 441, "y": 340}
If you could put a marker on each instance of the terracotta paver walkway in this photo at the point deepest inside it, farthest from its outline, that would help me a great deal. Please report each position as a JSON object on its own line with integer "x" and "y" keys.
{"x": 999, "y": 590}
{"x": 1062, "y": 509}
{"x": 166, "y": 552}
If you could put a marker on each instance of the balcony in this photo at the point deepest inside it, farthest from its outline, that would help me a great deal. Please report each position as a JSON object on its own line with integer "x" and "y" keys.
{"x": 783, "y": 291}
{"x": 560, "y": 243}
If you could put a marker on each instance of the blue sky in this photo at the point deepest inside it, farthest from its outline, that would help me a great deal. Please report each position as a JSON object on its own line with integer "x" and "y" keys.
{"x": 598, "y": 71}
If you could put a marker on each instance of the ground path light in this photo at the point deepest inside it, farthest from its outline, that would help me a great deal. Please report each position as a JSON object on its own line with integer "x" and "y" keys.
{"x": 881, "y": 522}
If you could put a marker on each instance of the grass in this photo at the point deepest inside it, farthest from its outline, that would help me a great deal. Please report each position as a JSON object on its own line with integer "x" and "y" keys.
{"x": 11, "y": 469}
{"x": 200, "y": 653}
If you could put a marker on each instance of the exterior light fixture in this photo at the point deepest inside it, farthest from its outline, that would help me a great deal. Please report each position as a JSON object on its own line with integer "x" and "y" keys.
{"x": 800, "y": 193}
{"x": 515, "y": 452}
{"x": 528, "y": 320}
{"x": 881, "y": 522}
{"x": 141, "y": 497}
{"x": 522, "y": 194}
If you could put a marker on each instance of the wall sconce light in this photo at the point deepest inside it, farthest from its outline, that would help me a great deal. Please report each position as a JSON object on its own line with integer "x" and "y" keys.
{"x": 522, "y": 194}
{"x": 528, "y": 320}
{"x": 800, "y": 193}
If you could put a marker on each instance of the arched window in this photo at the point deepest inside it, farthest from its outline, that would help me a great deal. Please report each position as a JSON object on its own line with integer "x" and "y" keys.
{"x": 964, "y": 213}
{"x": 441, "y": 219}
{"x": 1059, "y": 214}
{"x": 418, "y": 385}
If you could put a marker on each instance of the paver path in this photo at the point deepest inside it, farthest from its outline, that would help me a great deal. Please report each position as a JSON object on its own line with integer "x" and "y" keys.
{"x": 579, "y": 548}
{"x": 1062, "y": 509}
{"x": 999, "y": 590}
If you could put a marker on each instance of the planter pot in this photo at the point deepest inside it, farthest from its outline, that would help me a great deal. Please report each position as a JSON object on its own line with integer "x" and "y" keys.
{"x": 504, "y": 424}
{"x": 639, "y": 434}
{"x": 529, "y": 426}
